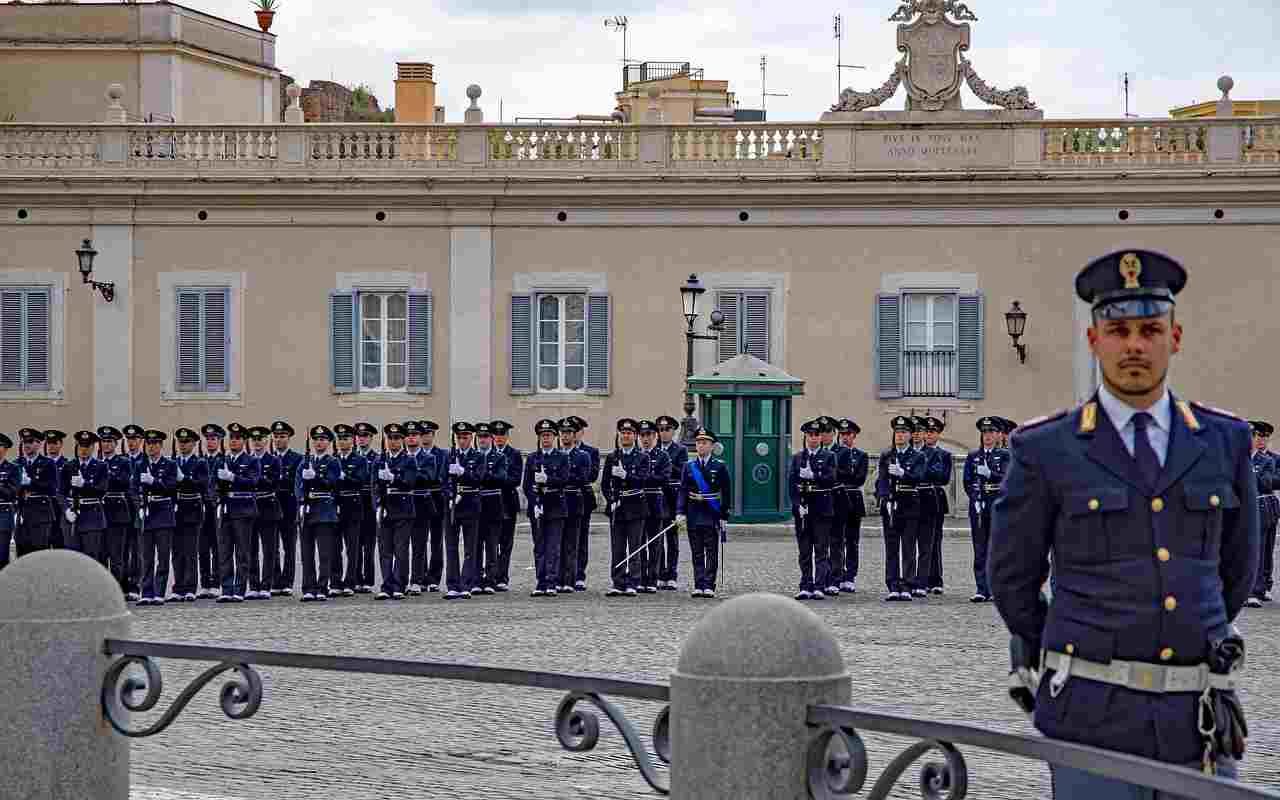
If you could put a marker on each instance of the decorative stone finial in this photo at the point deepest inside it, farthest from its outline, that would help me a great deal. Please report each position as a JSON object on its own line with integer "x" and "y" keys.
{"x": 473, "y": 114}
{"x": 473, "y": 93}
{"x": 1225, "y": 107}
{"x": 1225, "y": 84}
{"x": 294, "y": 91}
{"x": 115, "y": 111}
{"x": 293, "y": 114}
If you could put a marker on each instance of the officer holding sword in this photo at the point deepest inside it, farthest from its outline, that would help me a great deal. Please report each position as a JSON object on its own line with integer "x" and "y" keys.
{"x": 702, "y": 509}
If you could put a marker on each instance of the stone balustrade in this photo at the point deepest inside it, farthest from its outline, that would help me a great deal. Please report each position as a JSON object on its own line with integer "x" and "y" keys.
{"x": 859, "y": 147}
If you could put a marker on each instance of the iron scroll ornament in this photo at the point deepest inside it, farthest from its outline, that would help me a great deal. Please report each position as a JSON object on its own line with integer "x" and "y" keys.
{"x": 240, "y": 697}
{"x": 842, "y": 774}
{"x": 579, "y": 730}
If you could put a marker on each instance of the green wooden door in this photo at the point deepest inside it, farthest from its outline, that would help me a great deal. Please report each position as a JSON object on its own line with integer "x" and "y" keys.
{"x": 760, "y": 454}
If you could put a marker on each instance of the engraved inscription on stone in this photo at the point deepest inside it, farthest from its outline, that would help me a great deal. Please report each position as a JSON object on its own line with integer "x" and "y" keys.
{"x": 932, "y": 148}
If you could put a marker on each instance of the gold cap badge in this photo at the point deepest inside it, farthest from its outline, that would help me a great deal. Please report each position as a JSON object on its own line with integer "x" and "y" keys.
{"x": 1130, "y": 269}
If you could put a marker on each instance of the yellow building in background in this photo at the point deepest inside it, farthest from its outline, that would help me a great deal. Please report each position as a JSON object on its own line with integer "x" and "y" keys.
{"x": 1239, "y": 108}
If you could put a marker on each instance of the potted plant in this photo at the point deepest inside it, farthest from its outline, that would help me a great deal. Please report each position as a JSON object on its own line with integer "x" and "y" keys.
{"x": 266, "y": 11}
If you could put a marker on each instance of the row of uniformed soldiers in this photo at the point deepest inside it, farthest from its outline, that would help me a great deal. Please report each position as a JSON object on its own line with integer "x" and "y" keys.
{"x": 231, "y": 507}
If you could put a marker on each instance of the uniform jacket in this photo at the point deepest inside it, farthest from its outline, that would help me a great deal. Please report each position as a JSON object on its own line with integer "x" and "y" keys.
{"x": 9, "y": 488}
{"x": 397, "y": 494}
{"x": 42, "y": 498}
{"x": 677, "y": 457}
{"x": 902, "y": 491}
{"x": 937, "y": 474}
{"x": 982, "y": 489}
{"x": 428, "y": 493}
{"x": 290, "y": 462}
{"x": 701, "y": 513}
{"x": 593, "y": 475}
{"x": 158, "y": 497}
{"x": 580, "y": 498}
{"x": 91, "y": 516}
{"x": 655, "y": 487}
{"x": 239, "y": 495}
{"x": 550, "y": 495}
{"x": 511, "y": 486}
{"x": 122, "y": 490}
{"x": 1264, "y": 469}
{"x": 851, "y": 475}
{"x": 355, "y": 478}
{"x": 318, "y": 495}
{"x": 493, "y": 482}
{"x": 192, "y": 489}
{"x": 814, "y": 493}
{"x": 1143, "y": 573}
{"x": 269, "y": 486}
{"x": 625, "y": 496}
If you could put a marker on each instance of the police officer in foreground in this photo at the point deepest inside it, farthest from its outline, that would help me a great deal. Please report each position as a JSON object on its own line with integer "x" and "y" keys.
{"x": 1148, "y": 504}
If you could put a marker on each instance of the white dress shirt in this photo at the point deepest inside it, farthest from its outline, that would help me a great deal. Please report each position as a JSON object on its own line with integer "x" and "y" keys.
{"x": 1121, "y": 415}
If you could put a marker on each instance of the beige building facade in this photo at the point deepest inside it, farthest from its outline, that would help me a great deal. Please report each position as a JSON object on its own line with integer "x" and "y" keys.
{"x": 176, "y": 64}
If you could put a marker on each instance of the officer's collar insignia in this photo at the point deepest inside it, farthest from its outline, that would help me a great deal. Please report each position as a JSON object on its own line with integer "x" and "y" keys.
{"x": 1188, "y": 416}
{"x": 1130, "y": 270}
{"x": 1089, "y": 417}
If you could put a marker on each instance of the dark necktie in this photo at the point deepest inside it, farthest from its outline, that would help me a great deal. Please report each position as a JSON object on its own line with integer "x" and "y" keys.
{"x": 1143, "y": 453}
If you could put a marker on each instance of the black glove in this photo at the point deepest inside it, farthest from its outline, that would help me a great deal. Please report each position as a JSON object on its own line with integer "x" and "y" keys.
{"x": 1230, "y": 729}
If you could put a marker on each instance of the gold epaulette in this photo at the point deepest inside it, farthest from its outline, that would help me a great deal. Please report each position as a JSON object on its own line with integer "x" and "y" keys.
{"x": 1088, "y": 417}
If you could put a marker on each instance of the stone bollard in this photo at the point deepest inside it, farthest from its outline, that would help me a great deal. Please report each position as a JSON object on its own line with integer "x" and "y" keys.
{"x": 746, "y": 674}
{"x": 56, "y": 608}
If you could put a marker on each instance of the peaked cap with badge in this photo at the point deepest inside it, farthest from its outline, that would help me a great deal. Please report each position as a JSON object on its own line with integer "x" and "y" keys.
{"x": 1131, "y": 284}
{"x": 545, "y": 426}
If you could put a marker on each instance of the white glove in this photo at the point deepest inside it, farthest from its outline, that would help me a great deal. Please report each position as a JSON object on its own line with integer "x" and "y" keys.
{"x": 540, "y": 477}
{"x": 806, "y": 473}
{"x": 71, "y": 516}
{"x": 384, "y": 474}
{"x": 77, "y": 481}
{"x": 619, "y": 471}
{"x": 537, "y": 512}
{"x": 147, "y": 478}
{"x": 682, "y": 522}
{"x": 978, "y": 507}
{"x": 142, "y": 515}
{"x": 613, "y": 507}
{"x": 181, "y": 477}
{"x": 804, "y": 511}
{"x": 225, "y": 474}
{"x": 308, "y": 474}
{"x": 26, "y": 479}
{"x": 456, "y": 469}
{"x": 896, "y": 471}
{"x": 984, "y": 470}
{"x": 306, "y": 510}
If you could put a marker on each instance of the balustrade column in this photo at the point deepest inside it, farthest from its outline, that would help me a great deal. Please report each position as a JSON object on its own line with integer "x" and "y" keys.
{"x": 57, "y": 608}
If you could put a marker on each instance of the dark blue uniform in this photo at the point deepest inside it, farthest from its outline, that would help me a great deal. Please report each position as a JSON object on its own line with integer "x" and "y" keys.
{"x": 85, "y": 501}
{"x": 351, "y": 511}
{"x": 429, "y": 506}
{"x": 1267, "y": 473}
{"x": 120, "y": 501}
{"x": 548, "y": 508}
{"x": 628, "y": 511}
{"x": 10, "y": 485}
{"x": 705, "y": 510}
{"x": 193, "y": 492}
{"x": 1145, "y": 573}
{"x": 653, "y": 560}
{"x": 439, "y": 492}
{"x": 982, "y": 491}
{"x": 398, "y": 514}
{"x": 369, "y": 522}
{"x": 493, "y": 481}
{"x": 317, "y": 501}
{"x": 677, "y": 457}
{"x": 814, "y": 496}
{"x": 938, "y": 477}
{"x": 41, "y": 504}
{"x": 159, "y": 518}
{"x": 584, "y": 518}
{"x": 851, "y": 474}
{"x": 899, "y": 499}
{"x": 284, "y": 566}
{"x": 207, "y": 544}
{"x": 510, "y": 510}
{"x": 238, "y": 501}
{"x": 264, "y": 551}
{"x": 1266, "y": 569}
{"x": 579, "y": 501}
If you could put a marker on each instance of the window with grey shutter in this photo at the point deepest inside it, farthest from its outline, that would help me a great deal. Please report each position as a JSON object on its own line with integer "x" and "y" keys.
{"x": 730, "y": 339}
{"x": 342, "y": 341}
{"x": 888, "y": 347}
{"x": 969, "y": 366}
{"x": 202, "y": 339}
{"x": 521, "y": 344}
{"x": 746, "y": 323}
{"x": 599, "y": 341}
{"x": 420, "y": 312}
{"x": 24, "y": 339}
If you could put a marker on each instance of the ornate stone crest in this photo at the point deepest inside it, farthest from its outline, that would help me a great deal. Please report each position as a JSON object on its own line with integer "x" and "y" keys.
{"x": 933, "y": 38}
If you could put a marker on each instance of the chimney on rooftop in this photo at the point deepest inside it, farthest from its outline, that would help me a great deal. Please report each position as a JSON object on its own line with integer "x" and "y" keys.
{"x": 415, "y": 92}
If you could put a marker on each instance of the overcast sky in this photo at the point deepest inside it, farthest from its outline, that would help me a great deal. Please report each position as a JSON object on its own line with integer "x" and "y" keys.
{"x": 556, "y": 58}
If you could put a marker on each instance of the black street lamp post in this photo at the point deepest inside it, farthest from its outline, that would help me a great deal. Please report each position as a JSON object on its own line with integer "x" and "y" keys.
{"x": 689, "y": 294}
{"x": 1015, "y": 321}
{"x": 84, "y": 258}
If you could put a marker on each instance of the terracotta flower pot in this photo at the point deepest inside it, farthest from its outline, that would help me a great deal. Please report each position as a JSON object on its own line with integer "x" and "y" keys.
{"x": 264, "y": 19}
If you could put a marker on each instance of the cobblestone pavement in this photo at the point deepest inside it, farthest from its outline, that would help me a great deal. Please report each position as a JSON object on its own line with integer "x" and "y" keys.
{"x": 357, "y": 736}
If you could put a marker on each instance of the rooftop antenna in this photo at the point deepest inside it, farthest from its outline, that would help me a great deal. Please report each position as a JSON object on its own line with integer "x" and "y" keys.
{"x": 837, "y": 26}
{"x": 764, "y": 91}
{"x": 619, "y": 22}
{"x": 1126, "y": 87}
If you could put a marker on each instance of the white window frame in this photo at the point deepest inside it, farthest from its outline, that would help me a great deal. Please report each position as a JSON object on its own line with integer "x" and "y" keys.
{"x": 56, "y": 284}
{"x": 382, "y": 281}
{"x": 168, "y": 285}
{"x": 561, "y": 341}
{"x": 929, "y": 322}
{"x": 383, "y": 341}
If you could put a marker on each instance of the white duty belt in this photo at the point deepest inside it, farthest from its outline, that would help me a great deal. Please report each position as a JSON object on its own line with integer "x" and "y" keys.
{"x": 1137, "y": 675}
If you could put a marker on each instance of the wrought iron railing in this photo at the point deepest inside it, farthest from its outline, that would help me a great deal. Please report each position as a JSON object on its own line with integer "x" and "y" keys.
{"x": 836, "y": 759}
{"x": 658, "y": 70}
{"x": 929, "y": 373}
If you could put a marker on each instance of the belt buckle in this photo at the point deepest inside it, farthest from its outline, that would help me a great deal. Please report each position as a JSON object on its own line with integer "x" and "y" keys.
{"x": 1143, "y": 677}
